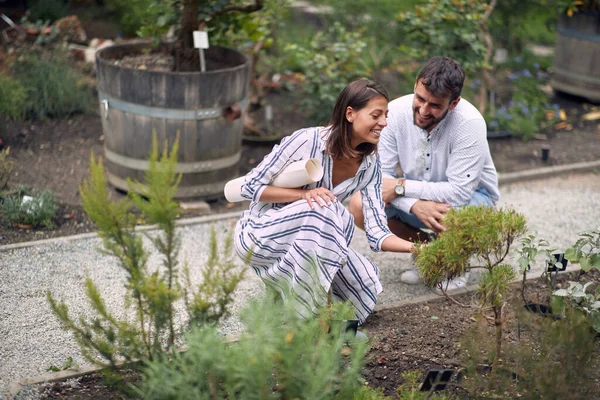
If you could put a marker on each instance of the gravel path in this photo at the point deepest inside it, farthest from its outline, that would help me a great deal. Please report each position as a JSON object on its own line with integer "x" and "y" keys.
{"x": 31, "y": 339}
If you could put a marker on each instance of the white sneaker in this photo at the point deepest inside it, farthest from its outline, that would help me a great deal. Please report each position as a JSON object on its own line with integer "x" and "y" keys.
{"x": 411, "y": 277}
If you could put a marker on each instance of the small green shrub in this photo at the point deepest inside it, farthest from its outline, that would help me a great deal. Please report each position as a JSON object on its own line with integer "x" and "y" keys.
{"x": 12, "y": 98}
{"x": 331, "y": 60}
{"x": 29, "y": 207}
{"x": 484, "y": 234}
{"x": 586, "y": 250}
{"x": 546, "y": 359}
{"x": 52, "y": 87}
{"x": 280, "y": 356}
{"x": 150, "y": 329}
{"x": 132, "y": 14}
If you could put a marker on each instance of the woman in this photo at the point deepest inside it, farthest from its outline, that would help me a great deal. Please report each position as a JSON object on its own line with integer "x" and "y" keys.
{"x": 297, "y": 240}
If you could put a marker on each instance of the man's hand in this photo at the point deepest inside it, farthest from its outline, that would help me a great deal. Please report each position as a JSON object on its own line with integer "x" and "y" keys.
{"x": 387, "y": 185}
{"x": 431, "y": 213}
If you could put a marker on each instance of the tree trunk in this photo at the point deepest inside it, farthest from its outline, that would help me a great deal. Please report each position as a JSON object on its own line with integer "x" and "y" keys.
{"x": 187, "y": 58}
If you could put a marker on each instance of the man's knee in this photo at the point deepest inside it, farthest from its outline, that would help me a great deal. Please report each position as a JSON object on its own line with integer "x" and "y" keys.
{"x": 355, "y": 207}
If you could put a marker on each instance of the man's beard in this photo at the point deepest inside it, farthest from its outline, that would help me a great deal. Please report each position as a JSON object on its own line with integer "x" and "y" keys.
{"x": 433, "y": 122}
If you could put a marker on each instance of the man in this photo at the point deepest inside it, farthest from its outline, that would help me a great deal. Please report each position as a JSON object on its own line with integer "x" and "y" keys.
{"x": 439, "y": 141}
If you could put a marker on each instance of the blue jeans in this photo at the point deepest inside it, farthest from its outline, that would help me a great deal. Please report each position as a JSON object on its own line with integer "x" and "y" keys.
{"x": 481, "y": 197}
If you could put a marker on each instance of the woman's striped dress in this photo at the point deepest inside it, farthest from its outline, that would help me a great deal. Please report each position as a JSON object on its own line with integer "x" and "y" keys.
{"x": 295, "y": 248}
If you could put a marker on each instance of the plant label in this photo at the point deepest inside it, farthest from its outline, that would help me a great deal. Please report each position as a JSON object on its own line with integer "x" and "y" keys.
{"x": 201, "y": 39}
{"x": 436, "y": 379}
{"x": 560, "y": 263}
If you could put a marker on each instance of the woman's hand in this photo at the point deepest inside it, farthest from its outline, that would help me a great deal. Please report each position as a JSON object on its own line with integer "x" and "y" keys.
{"x": 321, "y": 195}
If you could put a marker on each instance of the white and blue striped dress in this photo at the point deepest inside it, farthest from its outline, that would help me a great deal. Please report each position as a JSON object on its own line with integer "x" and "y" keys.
{"x": 293, "y": 247}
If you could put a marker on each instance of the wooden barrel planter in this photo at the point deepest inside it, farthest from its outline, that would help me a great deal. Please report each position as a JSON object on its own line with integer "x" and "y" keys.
{"x": 577, "y": 55}
{"x": 135, "y": 103}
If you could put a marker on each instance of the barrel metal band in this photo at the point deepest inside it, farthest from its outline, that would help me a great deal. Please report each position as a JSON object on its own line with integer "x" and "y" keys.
{"x": 182, "y": 167}
{"x": 590, "y": 37}
{"x": 576, "y": 77}
{"x": 205, "y": 190}
{"x": 159, "y": 112}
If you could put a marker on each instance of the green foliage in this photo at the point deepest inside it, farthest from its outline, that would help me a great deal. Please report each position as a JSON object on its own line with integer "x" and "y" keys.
{"x": 586, "y": 250}
{"x": 553, "y": 359}
{"x": 446, "y": 27}
{"x": 152, "y": 295}
{"x": 280, "y": 355}
{"x": 576, "y": 296}
{"x": 26, "y": 206}
{"x": 515, "y": 23}
{"x": 332, "y": 59}
{"x": 368, "y": 16}
{"x": 528, "y": 112}
{"x": 52, "y": 87}
{"x": 12, "y": 98}
{"x": 48, "y": 10}
{"x": 6, "y": 167}
{"x": 245, "y": 30}
{"x": 482, "y": 232}
{"x": 531, "y": 247}
{"x": 67, "y": 364}
{"x": 132, "y": 14}
{"x": 219, "y": 281}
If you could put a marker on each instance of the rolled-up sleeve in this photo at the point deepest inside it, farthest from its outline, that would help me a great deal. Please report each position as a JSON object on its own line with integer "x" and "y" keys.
{"x": 376, "y": 227}
{"x": 292, "y": 148}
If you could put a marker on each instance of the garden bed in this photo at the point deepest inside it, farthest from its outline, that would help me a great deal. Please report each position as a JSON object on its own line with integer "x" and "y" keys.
{"x": 411, "y": 337}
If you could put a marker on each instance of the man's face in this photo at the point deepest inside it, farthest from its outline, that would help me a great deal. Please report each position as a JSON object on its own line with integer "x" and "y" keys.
{"x": 429, "y": 110}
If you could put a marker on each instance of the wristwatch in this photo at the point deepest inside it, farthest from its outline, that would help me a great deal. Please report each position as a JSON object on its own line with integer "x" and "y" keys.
{"x": 399, "y": 188}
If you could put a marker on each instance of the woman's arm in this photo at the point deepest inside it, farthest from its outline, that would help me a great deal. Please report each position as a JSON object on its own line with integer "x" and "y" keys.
{"x": 396, "y": 244}
{"x": 320, "y": 195}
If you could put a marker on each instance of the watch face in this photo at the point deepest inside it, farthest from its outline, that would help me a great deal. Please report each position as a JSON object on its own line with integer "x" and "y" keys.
{"x": 399, "y": 189}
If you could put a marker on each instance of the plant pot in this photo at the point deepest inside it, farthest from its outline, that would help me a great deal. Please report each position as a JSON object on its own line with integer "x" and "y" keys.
{"x": 541, "y": 309}
{"x": 203, "y": 108}
{"x": 344, "y": 326}
{"x": 498, "y": 134}
{"x": 577, "y": 55}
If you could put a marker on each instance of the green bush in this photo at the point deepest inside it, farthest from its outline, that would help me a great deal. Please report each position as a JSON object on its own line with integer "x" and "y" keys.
{"x": 332, "y": 59}
{"x": 280, "y": 356}
{"x": 52, "y": 87}
{"x": 475, "y": 235}
{"x": 528, "y": 111}
{"x": 29, "y": 207}
{"x": 12, "y": 97}
{"x": 551, "y": 358}
{"x": 152, "y": 296}
{"x": 132, "y": 14}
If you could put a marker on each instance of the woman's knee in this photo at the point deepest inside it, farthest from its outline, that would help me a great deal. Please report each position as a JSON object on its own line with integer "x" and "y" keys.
{"x": 355, "y": 207}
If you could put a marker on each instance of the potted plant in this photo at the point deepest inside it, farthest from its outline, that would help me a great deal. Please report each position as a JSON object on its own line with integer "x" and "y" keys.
{"x": 144, "y": 88}
{"x": 576, "y": 49}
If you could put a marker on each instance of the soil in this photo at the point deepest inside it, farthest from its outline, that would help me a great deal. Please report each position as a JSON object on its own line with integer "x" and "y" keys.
{"x": 55, "y": 155}
{"x": 412, "y": 337}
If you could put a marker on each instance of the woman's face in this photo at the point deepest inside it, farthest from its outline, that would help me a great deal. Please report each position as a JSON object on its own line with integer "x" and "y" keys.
{"x": 368, "y": 122}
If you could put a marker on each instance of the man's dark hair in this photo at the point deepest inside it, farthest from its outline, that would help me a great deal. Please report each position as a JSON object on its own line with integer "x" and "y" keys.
{"x": 443, "y": 77}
